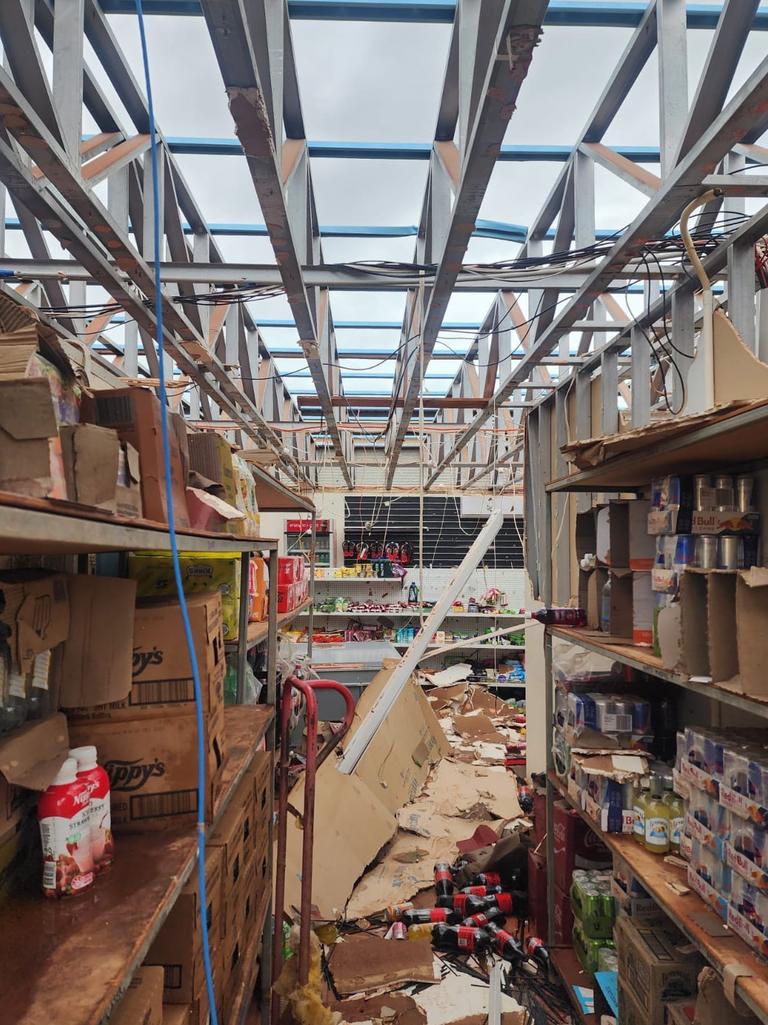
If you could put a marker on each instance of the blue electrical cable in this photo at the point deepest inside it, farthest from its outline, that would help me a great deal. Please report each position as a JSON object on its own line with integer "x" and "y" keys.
{"x": 201, "y": 759}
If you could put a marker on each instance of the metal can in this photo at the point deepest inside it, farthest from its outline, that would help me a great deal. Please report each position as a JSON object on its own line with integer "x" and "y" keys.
{"x": 724, "y": 488}
{"x": 706, "y": 551}
{"x": 745, "y": 486}
{"x": 701, "y": 483}
{"x": 730, "y": 552}
{"x": 685, "y": 550}
{"x": 399, "y": 931}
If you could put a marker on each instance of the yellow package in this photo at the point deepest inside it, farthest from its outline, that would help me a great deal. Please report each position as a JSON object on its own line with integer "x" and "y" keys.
{"x": 201, "y": 571}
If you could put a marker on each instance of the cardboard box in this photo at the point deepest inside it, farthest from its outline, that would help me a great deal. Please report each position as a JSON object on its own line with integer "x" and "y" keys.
{"x": 202, "y": 573}
{"x": 630, "y": 1012}
{"x": 729, "y": 521}
{"x": 128, "y": 490}
{"x": 233, "y": 834}
{"x": 178, "y": 1014}
{"x": 576, "y": 845}
{"x": 177, "y": 947}
{"x": 142, "y": 1002}
{"x": 91, "y": 456}
{"x": 15, "y": 804}
{"x": 136, "y": 416}
{"x": 32, "y": 755}
{"x": 152, "y": 768}
{"x": 30, "y": 450}
{"x": 751, "y": 635}
{"x": 656, "y": 965}
{"x": 621, "y": 602}
{"x": 34, "y": 607}
{"x": 712, "y": 1006}
{"x": 211, "y": 455}
{"x": 241, "y": 923}
{"x": 200, "y": 1006}
{"x": 97, "y": 657}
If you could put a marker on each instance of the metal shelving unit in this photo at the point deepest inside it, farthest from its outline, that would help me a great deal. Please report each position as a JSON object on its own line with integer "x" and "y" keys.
{"x": 735, "y": 438}
{"x": 45, "y": 527}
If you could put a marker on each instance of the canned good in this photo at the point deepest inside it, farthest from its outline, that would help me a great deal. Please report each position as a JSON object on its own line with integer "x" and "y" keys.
{"x": 745, "y": 485}
{"x": 399, "y": 931}
{"x": 702, "y": 482}
{"x": 724, "y": 488}
{"x": 706, "y": 551}
{"x": 730, "y": 554}
{"x": 684, "y": 553}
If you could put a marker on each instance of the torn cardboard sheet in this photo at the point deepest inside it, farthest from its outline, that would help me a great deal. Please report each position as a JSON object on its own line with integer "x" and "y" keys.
{"x": 423, "y": 819}
{"x": 404, "y": 868}
{"x": 389, "y": 1008}
{"x": 362, "y": 962}
{"x": 473, "y": 791}
{"x": 459, "y": 996}
{"x": 357, "y": 813}
{"x": 477, "y": 726}
{"x": 449, "y": 676}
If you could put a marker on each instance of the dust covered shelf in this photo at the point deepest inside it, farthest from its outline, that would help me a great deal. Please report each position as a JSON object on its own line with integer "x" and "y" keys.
{"x": 71, "y": 959}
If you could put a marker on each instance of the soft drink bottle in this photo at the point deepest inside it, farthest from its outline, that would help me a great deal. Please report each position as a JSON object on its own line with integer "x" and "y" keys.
{"x": 95, "y": 778}
{"x": 505, "y": 944}
{"x": 64, "y": 830}
{"x": 481, "y": 891}
{"x": 466, "y": 903}
{"x": 444, "y": 884}
{"x": 487, "y": 879}
{"x": 525, "y": 798}
{"x": 395, "y": 911}
{"x": 482, "y": 919}
{"x": 420, "y": 916}
{"x": 507, "y": 903}
{"x": 534, "y": 947}
{"x": 561, "y": 617}
{"x": 422, "y": 931}
{"x": 464, "y": 938}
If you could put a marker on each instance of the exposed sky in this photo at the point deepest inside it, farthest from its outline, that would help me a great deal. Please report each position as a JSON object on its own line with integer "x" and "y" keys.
{"x": 381, "y": 82}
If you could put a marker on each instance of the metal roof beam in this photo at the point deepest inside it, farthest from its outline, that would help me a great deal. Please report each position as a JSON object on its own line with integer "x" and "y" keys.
{"x": 253, "y": 78}
{"x": 744, "y": 119}
{"x": 495, "y": 47}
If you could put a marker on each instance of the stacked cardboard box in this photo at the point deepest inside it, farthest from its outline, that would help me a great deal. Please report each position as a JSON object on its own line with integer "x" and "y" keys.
{"x": 292, "y": 582}
{"x": 147, "y": 741}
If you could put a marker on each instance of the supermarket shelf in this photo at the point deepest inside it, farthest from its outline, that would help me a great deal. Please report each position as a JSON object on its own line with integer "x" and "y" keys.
{"x": 69, "y": 961}
{"x": 272, "y": 496}
{"x": 734, "y": 437}
{"x": 359, "y": 580}
{"x": 689, "y": 912}
{"x": 473, "y": 647}
{"x": 645, "y": 661}
{"x": 570, "y": 971}
{"x": 506, "y": 616}
{"x": 257, "y": 632}
{"x": 32, "y": 526}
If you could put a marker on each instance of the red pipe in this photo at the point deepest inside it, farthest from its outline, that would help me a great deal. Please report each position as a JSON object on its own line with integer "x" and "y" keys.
{"x": 314, "y": 759}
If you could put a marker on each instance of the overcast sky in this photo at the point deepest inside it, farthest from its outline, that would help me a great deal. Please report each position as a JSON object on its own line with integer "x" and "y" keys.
{"x": 381, "y": 82}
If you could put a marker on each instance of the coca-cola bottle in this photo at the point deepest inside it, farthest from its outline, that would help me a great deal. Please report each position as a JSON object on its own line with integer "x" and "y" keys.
{"x": 507, "y": 903}
{"x": 482, "y": 919}
{"x": 505, "y": 944}
{"x": 481, "y": 891}
{"x": 466, "y": 903}
{"x": 561, "y": 617}
{"x": 464, "y": 938}
{"x": 534, "y": 947}
{"x": 418, "y": 916}
{"x": 487, "y": 879}
{"x": 444, "y": 884}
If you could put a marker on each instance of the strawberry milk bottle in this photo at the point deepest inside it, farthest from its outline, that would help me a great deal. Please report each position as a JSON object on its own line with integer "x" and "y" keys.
{"x": 99, "y": 818}
{"x": 63, "y": 814}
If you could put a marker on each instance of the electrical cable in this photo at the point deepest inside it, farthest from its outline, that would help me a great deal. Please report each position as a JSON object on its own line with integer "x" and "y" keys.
{"x": 165, "y": 432}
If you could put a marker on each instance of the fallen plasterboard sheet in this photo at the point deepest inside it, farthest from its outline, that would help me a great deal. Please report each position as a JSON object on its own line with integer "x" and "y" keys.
{"x": 489, "y": 754}
{"x": 351, "y": 826}
{"x": 423, "y": 819}
{"x": 507, "y": 1018}
{"x": 355, "y": 813}
{"x": 389, "y": 1008}
{"x": 449, "y": 676}
{"x": 405, "y": 867}
{"x": 457, "y": 997}
{"x": 361, "y": 963}
{"x": 477, "y": 726}
{"x": 473, "y": 791}
{"x": 408, "y": 743}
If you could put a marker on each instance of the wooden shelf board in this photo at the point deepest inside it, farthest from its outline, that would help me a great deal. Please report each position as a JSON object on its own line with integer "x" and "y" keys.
{"x": 643, "y": 659}
{"x": 408, "y": 614}
{"x": 72, "y": 959}
{"x": 258, "y": 632}
{"x": 473, "y": 647}
{"x": 655, "y": 874}
{"x": 570, "y": 971}
{"x": 36, "y": 526}
{"x": 738, "y": 437}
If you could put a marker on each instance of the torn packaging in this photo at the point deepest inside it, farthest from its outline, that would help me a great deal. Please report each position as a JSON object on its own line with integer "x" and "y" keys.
{"x": 357, "y": 811}
{"x": 392, "y": 1008}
